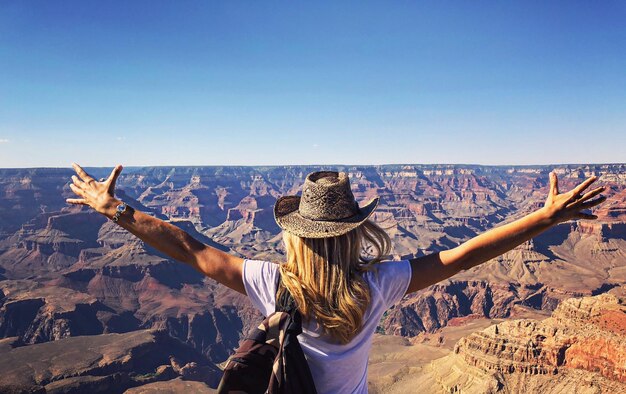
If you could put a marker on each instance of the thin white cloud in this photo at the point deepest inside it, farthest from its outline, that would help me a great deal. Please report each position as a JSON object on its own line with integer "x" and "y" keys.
{"x": 3, "y": 141}
{"x": 316, "y": 145}
{"x": 121, "y": 138}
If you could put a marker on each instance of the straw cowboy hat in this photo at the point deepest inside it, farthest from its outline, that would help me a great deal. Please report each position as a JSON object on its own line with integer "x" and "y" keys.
{"x": 326, "y": 208}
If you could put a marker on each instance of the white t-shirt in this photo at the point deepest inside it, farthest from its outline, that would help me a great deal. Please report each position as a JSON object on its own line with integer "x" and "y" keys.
{"x": 335, "y": 368}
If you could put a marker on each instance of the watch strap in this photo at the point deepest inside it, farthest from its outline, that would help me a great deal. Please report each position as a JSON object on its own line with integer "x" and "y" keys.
{"x": 120, "y": 210}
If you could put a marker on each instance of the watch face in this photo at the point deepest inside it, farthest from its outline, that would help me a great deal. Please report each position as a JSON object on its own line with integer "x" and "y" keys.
{"x": 121, "y": 207}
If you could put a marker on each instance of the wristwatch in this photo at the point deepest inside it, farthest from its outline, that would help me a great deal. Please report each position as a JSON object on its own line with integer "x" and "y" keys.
{"x": 121, "y": 209}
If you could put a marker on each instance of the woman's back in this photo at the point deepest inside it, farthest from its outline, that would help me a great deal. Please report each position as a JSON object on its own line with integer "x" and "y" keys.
{"x": 335, "y": 367}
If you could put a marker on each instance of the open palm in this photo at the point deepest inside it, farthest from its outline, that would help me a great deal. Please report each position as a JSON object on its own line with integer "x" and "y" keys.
{"x": 96, "y": 194}
{"x": 567, "y": 206}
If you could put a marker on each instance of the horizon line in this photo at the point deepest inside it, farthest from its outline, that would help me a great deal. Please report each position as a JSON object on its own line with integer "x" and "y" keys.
{"x": 323, "y": 165}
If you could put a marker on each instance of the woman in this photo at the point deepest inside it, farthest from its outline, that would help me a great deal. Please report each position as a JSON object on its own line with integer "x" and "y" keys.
{"x": 340, "y": 294}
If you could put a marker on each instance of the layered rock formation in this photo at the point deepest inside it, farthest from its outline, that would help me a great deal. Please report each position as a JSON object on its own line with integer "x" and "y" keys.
{"x": 580, "y": 348}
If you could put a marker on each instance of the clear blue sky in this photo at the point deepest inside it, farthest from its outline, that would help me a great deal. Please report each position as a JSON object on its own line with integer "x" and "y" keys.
{"x": 263, "y": 83}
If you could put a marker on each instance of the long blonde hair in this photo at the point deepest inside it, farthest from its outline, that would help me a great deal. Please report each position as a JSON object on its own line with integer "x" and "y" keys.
{"x": 322, "y": 276}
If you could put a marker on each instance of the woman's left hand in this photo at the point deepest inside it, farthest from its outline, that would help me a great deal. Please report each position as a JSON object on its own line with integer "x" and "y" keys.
{"x": 566, "y": 206}
{"x": 97, "y": 195}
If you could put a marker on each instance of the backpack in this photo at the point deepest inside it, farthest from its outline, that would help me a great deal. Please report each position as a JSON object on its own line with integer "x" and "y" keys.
{"x": 270, "y": 359}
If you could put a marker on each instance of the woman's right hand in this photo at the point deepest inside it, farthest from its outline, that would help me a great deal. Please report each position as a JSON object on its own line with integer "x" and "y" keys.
{"x": 562, "y": 207}
{"x": 98, "y": 195}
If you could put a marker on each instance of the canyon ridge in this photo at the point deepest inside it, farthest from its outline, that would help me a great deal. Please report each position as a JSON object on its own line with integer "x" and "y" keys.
{"x": 87, "y": 306}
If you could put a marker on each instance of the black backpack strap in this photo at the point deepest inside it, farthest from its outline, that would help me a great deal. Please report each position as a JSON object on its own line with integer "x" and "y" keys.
{"x": 299, "y": 375}
{"x": 285, "y": 303}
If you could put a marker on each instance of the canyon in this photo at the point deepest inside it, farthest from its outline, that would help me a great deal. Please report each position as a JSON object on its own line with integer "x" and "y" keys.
{"x": 580, "y": 348}
{"x": 67, "y": 274}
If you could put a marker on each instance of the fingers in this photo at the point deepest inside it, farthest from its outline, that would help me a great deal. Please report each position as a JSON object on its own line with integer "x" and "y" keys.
{"x": 588, "y": 205}
{"x": 77, "y": 201}
{"x": 77, "y": 190}
{"x": 114, "y": 174}
{"x": 586, "y": 196}
{"x": 578, "y": 189}
{"x": 78, "y": 182}
{"x": 86, "y": 178}
{"x": 592, "y": 203}
{"x": 593, "y": 193}
{"x": 554, "y": 184}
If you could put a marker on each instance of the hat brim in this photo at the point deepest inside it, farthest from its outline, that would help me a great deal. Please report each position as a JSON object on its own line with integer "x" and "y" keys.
{"x": 289, "y": 219}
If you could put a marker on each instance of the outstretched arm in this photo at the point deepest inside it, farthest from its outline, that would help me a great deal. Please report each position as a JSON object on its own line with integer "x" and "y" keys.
{"x": 435, "y": 267}
{"x": 163, "y": 236}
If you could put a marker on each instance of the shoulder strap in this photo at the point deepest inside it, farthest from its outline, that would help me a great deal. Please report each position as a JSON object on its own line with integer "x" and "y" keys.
{"x": 285, "y": 303}
{"x": 292, "y": 373}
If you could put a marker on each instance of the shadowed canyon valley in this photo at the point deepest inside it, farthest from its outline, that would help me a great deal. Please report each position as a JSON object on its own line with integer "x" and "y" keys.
{"x": 87, "y": 307}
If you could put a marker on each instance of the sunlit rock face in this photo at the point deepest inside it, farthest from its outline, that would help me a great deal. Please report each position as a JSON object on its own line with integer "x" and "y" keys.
{"x": 66, "y": 271}
{"x": 580, "y": 348}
